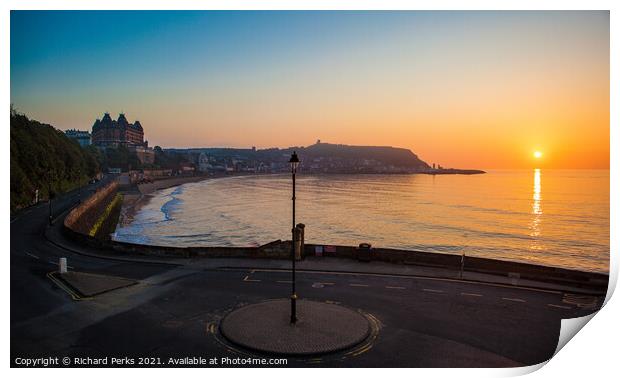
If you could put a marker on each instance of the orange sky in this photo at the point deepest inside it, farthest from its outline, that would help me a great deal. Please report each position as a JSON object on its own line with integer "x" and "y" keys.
{"x": 461, "y": 89}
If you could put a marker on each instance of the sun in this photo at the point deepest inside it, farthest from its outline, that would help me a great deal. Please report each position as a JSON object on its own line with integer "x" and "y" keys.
{"x": 538, "y": 154}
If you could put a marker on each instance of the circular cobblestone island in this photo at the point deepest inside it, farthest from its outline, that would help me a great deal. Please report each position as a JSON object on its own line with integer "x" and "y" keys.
{"x": 321, "y": 327}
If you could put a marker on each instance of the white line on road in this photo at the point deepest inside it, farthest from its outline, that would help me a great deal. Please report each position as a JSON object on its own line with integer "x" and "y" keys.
{"x": 514, "y": 299}
{"x": 559, "y": 306}
{"x": 395, "y": 287}
{"x": 472, "y": 294}
{"x": 247, "y": 279}
{"x": 408, "y": 277}
{"x": 433, "y": 290}
{"x": 358, "y": 285}
{"x": 326, "y": 283}
{"x": 31, "y": 255}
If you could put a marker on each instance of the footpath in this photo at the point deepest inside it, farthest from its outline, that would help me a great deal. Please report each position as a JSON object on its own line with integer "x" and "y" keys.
{"x": 55, "y": 235}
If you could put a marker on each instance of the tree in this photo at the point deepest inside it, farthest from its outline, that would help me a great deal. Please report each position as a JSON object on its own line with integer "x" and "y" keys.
{"x": 37, "y": 151}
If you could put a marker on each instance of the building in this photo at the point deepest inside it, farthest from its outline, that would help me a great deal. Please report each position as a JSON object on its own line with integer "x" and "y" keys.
{"x": 203, "y": 162}
{"x": 110, "y": 133}
{"x": 145, "y": 155}
{"x": 82, "y": 137}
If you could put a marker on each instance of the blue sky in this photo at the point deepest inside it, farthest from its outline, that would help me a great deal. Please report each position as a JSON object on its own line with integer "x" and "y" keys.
{"x": 241, "y": 78}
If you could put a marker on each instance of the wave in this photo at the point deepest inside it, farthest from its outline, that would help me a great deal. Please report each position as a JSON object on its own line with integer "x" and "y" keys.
{"x": 174, "y": 203}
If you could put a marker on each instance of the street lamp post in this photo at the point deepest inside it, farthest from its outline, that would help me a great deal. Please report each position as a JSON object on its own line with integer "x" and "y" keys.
{"x": 79, "y": 185}
{"x": 49, "y": 194}
{"x": 294, "y": 163}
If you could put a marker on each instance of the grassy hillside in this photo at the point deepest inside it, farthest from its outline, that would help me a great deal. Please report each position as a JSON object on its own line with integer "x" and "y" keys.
{"x": 43, "y": 158}
{"x": 400, "y": 157}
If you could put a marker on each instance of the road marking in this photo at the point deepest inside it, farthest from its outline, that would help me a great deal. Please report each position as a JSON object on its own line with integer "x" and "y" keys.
{"x": 211, "y": 328}
{"x": 395, "y": 287}
{"x": 358, "y": 285}
{"x": 433, "y": 290}
{"x": 31, "y": 255}
{"x": 247, "y": 279}
{"x": 401, "y": 276}
{"x": 364, "y": 349}
{"x": 472, "y": 294}
{"x": 514, "y": 299}
{"x": 332, "y": 302}
{"x": 320, "y": 285}
{"x": 287, "y": 282}
{"x": 581, "y": 301}
{"x": 75, "y": 296}
{"x": 559, "y": 306}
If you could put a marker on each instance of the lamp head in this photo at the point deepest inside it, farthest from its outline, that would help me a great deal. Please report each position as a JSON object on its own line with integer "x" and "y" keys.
{"x": 294, "y": 161}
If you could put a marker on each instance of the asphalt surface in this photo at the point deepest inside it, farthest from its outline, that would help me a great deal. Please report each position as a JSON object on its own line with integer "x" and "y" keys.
{"x": 174, "y": 312}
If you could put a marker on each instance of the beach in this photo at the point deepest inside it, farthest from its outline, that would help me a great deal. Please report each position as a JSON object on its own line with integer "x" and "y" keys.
{"x": 134, "y": 200}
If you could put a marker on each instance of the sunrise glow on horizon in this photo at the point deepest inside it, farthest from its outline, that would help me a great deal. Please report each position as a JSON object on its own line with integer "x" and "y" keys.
{"x": 462, "y": 89}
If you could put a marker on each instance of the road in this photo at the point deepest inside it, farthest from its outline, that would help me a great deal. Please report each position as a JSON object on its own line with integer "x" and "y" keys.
{"x": 174, "y": 310}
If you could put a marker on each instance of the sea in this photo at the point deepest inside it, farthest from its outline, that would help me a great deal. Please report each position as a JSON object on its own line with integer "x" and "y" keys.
{"x": 551, "y": 217}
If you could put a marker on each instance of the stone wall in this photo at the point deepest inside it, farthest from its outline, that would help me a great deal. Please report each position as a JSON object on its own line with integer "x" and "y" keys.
{"x": 275, "y": 250}
{"x": 83, "y": 217}
{"x": 108, "y": 221}
{"x": 516, "y": 270}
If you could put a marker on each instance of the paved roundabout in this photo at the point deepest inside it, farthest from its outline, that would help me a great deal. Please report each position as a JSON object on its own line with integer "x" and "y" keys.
{"x": 321, "y": 328}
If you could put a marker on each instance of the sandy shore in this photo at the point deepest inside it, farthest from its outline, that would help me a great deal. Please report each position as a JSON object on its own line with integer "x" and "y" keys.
{"x": 133, "y": 201}
{"x": 169, "y": 182}
{"x": 130, "y": 207}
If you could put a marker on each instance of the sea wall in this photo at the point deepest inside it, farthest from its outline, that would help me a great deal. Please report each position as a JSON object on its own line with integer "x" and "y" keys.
{"x": 450, "y": 263}
{"x": 514, "y": 270}
{"x": 275, "y": 250}
{"x": 83, "y": 218}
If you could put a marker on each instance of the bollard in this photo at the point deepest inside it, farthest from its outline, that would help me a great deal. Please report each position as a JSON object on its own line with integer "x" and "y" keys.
{"x": 62, "y": 265}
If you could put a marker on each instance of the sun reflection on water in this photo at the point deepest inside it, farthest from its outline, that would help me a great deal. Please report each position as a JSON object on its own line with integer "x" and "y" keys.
{"x": 537, "y": 211}
{"x": 536, "y": 204}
